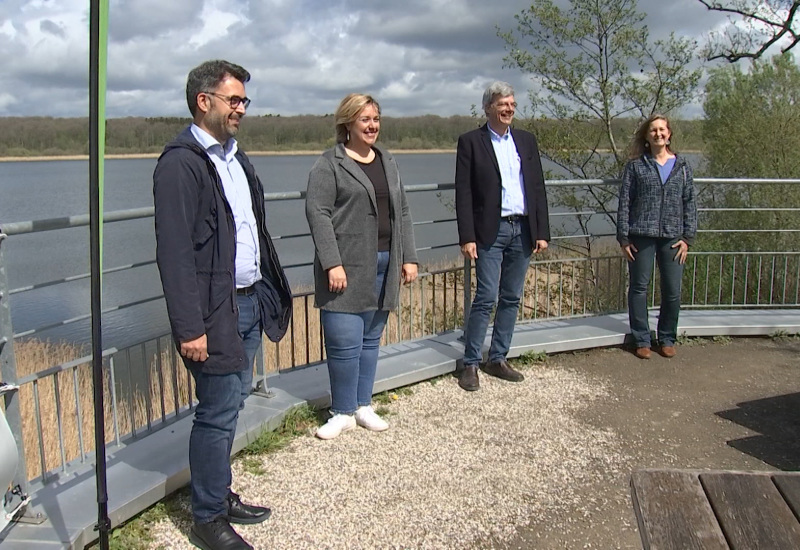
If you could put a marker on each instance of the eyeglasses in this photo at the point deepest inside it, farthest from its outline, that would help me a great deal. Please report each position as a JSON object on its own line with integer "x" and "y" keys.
{"x": 233, "y": 100}
{"x": 506, "y": 105}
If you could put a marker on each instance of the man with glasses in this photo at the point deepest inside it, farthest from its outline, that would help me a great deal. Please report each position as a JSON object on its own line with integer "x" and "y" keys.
{"x": 223, "y": 285}
{"x": 501, "y": 211}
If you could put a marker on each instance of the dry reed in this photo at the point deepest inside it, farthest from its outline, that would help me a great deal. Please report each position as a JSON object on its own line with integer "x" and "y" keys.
{"x": 150, "y": 383}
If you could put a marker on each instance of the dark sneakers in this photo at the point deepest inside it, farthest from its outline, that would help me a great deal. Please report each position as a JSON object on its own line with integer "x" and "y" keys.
{"x": 468, "y": 378}
{"x": 217, "y": 534}
{"x": 501, "y": 369}
{"x": 239, "y": 512}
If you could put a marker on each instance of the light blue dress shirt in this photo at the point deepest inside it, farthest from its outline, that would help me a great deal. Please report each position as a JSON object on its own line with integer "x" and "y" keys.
{"x": 513, "y": 200}
{"x": 237, "y": 192}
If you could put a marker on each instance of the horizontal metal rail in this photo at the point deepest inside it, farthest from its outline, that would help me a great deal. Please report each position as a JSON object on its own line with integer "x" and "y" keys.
{"x": 148, "y": 385}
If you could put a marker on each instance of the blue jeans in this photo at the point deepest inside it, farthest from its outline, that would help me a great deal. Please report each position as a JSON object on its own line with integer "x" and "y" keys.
{"x": 220, "y": 398}
{"x": 671, "y": 271}
{"x": 500, "y": 267}
{"x": 352, "y": 343}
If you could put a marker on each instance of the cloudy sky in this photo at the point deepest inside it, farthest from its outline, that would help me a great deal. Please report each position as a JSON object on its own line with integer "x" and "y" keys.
{"x": 415, "y": 56}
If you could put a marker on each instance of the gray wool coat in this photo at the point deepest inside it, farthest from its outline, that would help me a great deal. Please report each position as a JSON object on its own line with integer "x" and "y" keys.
{"x": 342, "y": 213}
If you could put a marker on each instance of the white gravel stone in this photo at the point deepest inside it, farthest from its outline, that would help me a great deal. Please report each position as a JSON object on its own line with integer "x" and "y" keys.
{"x": 454, "y": 470}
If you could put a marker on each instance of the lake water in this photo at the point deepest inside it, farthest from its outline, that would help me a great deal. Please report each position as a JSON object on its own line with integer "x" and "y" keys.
{"x": 50, "y": 189}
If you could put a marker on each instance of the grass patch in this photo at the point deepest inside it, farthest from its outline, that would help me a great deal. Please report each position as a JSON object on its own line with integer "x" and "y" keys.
{"x": 136, "y": 533}
{"x": 783, "y": 336}
{"x": 253, "y": 465}
{"x": 531, "y": 358}
{"x": 298, "y": 421}
{"x": 383, "y": 411}
{"x": 689, "y": 341}
{"x": 387, "y": 397}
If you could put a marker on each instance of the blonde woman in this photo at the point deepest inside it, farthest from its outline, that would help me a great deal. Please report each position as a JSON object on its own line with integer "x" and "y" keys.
{"x": 364, "y": 249}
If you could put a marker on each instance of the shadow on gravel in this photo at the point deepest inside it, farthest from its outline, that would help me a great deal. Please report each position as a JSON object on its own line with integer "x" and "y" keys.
{"x": 777, "y": 420}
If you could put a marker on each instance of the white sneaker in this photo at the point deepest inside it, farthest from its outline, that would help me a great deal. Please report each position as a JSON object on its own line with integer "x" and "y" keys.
{"x": 367, "y": 418}
{"x": 335, "y": 425}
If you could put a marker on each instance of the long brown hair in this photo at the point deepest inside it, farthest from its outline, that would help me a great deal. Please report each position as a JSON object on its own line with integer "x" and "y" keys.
{"x": 639, "y": 144}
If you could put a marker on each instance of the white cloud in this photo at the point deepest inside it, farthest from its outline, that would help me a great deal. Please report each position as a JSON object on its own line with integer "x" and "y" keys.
{"x": 417, "y": 56}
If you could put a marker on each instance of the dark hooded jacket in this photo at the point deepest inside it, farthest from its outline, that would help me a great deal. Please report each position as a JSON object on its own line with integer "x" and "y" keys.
{"x": 196, "y": 252}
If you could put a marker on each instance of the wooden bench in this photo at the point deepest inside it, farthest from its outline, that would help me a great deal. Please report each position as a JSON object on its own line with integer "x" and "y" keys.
{"x": 726, "y": 510}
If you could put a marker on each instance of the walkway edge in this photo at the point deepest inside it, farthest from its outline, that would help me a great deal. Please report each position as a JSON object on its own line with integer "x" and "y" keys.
{"x": 142, "y": 472}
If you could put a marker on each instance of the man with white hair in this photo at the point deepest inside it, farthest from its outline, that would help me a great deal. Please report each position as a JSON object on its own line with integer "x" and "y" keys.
{"x": 501, "y": 210}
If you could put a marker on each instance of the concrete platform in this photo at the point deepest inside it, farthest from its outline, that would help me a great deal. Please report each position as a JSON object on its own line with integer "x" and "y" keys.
{"x": 142, "y": 472}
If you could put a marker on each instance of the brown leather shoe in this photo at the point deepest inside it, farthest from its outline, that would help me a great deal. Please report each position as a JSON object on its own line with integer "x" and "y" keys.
{"x": 642, "y": 353}
{"x": 668, "y": 351}
{"x": 468, "y": 379}
{"x": 501, "y": 369}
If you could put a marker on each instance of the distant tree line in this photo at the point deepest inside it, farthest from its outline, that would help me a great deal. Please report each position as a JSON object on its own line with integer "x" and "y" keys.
{"x": 46, "y": 136}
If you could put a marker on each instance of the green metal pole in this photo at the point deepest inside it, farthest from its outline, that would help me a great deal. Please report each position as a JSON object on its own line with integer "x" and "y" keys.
{"x": 98, "y": 46}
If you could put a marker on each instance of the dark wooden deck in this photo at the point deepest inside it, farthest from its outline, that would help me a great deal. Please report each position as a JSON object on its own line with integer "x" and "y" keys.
{"x": 691, "y": 509}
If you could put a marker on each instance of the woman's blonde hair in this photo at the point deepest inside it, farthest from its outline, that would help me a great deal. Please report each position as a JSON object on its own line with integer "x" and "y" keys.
{"x": 348, "y": 112}
{"x": 639, "y": 144}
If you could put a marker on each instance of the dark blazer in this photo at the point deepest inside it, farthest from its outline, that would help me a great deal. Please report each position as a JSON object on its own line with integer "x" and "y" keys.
{"x": 196, "y": 250}
{"x": 479, "y": 187}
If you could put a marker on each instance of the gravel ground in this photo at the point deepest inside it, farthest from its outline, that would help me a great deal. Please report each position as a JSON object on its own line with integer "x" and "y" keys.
{"x": 540, "y": 465}
{"x": 454, "y": 469}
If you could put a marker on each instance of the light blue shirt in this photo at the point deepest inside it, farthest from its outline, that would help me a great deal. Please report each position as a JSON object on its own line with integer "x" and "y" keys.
{"x": 237, "y": 193}
{"x": 665, "y": 170}
{"x": 513, "y": 200}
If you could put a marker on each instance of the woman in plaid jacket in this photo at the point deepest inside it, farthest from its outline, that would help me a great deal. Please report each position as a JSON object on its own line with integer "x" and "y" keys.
{"x": 656, "y": 220}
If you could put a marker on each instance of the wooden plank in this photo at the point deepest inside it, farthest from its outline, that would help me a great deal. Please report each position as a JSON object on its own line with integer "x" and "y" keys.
{"x": 751, "y": 511}
{"x": 789, "y": 486}
{"x": 673, "y": 512}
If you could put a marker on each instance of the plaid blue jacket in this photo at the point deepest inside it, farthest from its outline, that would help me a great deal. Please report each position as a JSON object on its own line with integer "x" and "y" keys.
{"x": 649, "y": 209}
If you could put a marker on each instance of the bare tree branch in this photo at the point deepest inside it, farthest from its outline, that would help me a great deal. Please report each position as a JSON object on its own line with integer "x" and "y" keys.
{"x": 765, "y": 24}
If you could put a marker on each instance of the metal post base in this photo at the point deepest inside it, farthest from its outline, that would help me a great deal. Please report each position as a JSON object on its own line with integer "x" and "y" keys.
{"x": 262, "y": 390}
{"x": 15, "y": 505}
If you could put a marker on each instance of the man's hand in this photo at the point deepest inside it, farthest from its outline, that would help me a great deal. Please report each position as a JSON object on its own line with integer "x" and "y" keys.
{"x": 409, "y": 273}
{"x": 196, "y": 350}
{"x": 628, "y": 251}
{"x": 469, "y": 251}
{"x": 337, "y": 279}
{"x": 541, "y": 246}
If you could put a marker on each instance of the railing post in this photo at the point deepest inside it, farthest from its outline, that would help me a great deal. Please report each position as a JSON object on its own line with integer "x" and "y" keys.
{"x": 467, "y": 291}
{"x": 8, "y": 375}
{"x": 261, "y": 388}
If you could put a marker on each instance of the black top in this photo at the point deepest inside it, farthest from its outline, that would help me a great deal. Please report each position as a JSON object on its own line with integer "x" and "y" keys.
{"x": 377, "y": 175}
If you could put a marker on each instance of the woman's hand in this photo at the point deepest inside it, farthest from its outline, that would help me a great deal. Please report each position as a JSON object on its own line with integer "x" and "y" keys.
{"x": 683, "y": 251}
{"x": 337, "y": 279}
{"x": 409, "y": 273}
{"x": 541, "y": 246}
{"x": 628, "y": 251}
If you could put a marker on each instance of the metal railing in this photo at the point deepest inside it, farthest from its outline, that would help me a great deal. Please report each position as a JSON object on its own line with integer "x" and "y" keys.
{"x": 149, "y": 388}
